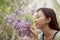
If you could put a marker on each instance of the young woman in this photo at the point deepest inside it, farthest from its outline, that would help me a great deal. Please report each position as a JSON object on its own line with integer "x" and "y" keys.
{"x": 47, "y": 22}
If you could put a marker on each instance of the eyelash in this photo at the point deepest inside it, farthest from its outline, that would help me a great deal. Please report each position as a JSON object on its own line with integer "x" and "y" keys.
{"x": 37, "y": 17}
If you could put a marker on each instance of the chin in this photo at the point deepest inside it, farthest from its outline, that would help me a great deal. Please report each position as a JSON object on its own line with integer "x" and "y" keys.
{"x": 38, "y": 27}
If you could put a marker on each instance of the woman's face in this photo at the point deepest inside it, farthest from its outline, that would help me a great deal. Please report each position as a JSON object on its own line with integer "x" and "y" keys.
{"x": 40, "y": 19}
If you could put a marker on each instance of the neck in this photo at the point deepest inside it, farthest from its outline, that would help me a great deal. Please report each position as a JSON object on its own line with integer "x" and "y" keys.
{"x": 48, "y": 31}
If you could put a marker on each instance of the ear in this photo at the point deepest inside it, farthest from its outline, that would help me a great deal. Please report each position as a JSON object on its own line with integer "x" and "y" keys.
{"x": 48, "y": 20}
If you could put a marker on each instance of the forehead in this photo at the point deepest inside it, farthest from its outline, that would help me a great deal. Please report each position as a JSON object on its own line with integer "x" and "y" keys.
{"x": 39, "y": 13}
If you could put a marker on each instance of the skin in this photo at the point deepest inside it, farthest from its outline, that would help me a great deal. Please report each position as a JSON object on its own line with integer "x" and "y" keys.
{"x": 43, "y": 23}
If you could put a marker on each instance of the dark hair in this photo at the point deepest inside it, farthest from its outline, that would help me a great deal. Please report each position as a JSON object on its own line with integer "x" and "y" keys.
{"x": 50, "y": 13}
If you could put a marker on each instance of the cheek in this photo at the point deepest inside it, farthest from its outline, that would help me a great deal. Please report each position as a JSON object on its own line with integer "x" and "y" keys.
{"x": 42, "y": 21}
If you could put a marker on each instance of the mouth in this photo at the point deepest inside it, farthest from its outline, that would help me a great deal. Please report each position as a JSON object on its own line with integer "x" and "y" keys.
{"x": 36, "y": 23}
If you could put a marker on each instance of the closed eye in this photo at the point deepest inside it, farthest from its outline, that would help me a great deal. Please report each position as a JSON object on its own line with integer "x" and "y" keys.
{"x": 37, "y": 17}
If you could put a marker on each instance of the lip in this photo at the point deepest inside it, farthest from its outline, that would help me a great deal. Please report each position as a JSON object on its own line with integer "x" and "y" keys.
{"x": 36, "y": 23}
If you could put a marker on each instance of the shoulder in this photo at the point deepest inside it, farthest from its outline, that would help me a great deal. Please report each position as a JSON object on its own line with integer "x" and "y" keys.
{"x": 40, "y": 36}
{"x": 57, "y": 37}
{"x": 40, "y": 33}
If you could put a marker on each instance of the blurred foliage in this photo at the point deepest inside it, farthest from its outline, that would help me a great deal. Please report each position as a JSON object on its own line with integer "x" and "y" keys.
{"x": 56, "y": 6}
{"x": 6, "y": 6}
{"x": 5, "y": 30}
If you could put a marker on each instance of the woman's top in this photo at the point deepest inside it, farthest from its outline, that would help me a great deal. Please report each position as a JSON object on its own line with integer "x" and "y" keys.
{"x": 55, "y": 37}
